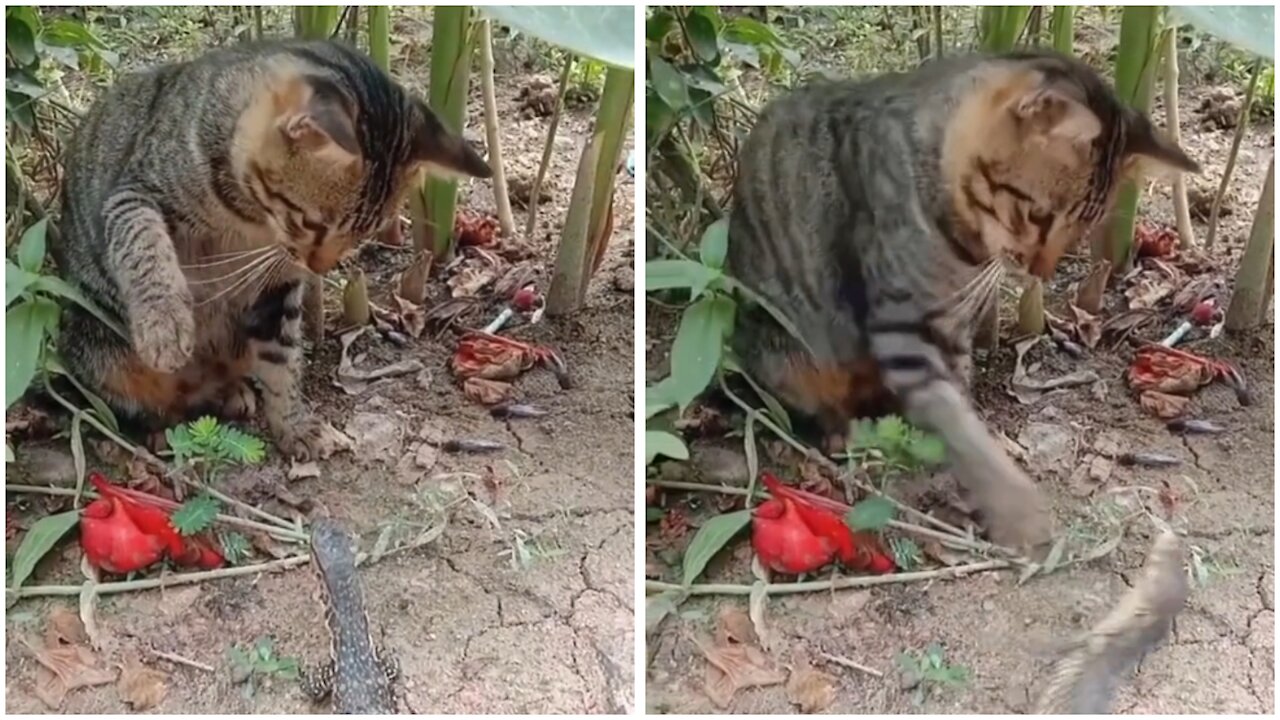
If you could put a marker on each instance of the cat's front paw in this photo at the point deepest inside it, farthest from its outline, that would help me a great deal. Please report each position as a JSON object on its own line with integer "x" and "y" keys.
{"x": 311, "y": 438}
{"x": 164, "y": 333}
{"x": 1018, "y": 517}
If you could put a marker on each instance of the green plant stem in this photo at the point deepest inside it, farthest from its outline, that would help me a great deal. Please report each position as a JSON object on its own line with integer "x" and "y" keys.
{"x": 450, "y": 76}
{"x": 531, "y": 224}
{"x": 159, "y": 465}
{"x": 1242, "y": 124}
{"x": 1248, "y": 299}
{"x": 613, "y": 117}
{"x": 163, "y": 582}
{"x": 1136, "y": 61}
{"x": 948, "y": 573}
{"x": 564, "y": 295}
{"x": 283, "y": 533}
{"x": 1062, "y": 26}
{"x": 380, "y": 36}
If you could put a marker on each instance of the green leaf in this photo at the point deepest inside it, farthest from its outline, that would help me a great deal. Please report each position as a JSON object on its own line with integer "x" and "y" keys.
{"x": 928, "y": 449}
{"x": 196, "y": 515}
{"x": 243, "y": 447}
{"x": 871, "y": 514}
{"x": 1251, "y": 27}
{"x": 669, "y": 84}
{"x": 31, "y": 247}
{"x": 57, "y": 286}
{"x": 15, "y": 281}
{"x": 653, "y": 514}
{"x": 604, "y": 32}
{"x": 205, "y": 431}
{"x": 235, "y": 547}
{"x": 667, "y": 274}
{"x": 715, "y": 244}
{"x": 25, "y": 327}
{"x": 40, "y": 539}
{"x": 751, "y": 32}
{"x": 695, "y": 353}
{"x": 654, "y": 403}
{"x": 711, "y": 537}
{"x": 71, "y": 33}
{"x": 180, "y": 441}
{"x": 702, "y": 37}
{"x": 658, "y": 25}
{"x": 658, "y": 607}
{"x": 20, "y": 39}
{"x": 658, "y": 443}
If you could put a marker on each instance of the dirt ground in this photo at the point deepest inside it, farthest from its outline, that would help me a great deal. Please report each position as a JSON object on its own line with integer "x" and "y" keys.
{"x": 1221, "y": 655}
{"x": 476, "y": 626}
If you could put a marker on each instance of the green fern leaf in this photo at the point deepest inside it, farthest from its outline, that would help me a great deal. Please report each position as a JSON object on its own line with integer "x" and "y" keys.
{"x": 241, "y": 447}
{"x": 180, "y": 441}
{"x": 205, "y": 431}
{"x": 235, "y": 547}
{"x": 196, "y": 514}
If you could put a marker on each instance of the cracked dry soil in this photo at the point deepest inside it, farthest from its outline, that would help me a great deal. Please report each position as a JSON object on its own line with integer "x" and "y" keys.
{"x": 474, "y": 632}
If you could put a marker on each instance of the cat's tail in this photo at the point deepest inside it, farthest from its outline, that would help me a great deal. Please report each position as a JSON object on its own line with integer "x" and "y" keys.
{"x": 1084, "y": 679}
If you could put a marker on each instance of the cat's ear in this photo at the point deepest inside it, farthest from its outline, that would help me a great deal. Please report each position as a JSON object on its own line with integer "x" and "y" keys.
{"x": 1142, "y": 141}
{"x": 316, "y": 118}
{"x": 1053, "y": 114}
{"x": 442, "y": 152}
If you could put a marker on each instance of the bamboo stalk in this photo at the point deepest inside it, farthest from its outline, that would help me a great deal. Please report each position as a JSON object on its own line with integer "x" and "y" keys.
{"x": 1242, "y": 123}
{"x": 571, "y": 253}
{"x": 531, "y": 224}
{"x": 1248, "y": 299}
{"x": 500, "y": 198}
{"x": 450, "y": 77}
{"x": 1061, "y": 25}
{"x": 1181, "y": 209}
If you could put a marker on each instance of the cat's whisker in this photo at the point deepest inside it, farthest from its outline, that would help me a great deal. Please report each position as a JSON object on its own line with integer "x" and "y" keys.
{"x": 248, "y": 268}
{"x": 225, "y": 258}
{"x": 260, "y": 268}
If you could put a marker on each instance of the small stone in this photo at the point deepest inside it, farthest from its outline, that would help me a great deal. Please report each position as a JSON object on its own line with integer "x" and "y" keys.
{"x": 431, "y": 432}
{"x": 1050, "y": 446}
{"x": 376, "y": 436}
{"x": 721, "y": 465}
{"x": 624, "y": 279}
{"x": 426, "y": 456}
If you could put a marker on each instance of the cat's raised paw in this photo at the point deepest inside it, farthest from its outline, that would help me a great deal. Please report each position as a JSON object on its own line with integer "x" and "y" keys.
{"x": 240, "y": 402}
{"x": 164, "y": 335}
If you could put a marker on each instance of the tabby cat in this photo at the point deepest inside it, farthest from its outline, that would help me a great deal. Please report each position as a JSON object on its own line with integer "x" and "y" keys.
{"x": 198, "y": 198}
{"x": 878, "y": 216}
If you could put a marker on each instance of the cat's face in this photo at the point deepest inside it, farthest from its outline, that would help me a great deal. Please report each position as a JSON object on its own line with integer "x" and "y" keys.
{"x": 327, "y": 184}
{"x": 1055, "y": 147}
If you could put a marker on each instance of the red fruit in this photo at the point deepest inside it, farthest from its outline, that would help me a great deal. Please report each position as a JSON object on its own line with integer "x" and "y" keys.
{"x": 112, "y": 541}
{"x": 783, "y": 541}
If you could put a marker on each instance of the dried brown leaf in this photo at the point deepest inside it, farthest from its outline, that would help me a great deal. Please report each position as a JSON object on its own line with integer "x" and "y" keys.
{"x": 1092, "y": 289}
{"x": 486, "y": 392}
{"x": 141, "y": 687}
{"x": 66, "y": 668}
{"x": 812, "y": 690}
{"x": 735, "y": 667}
{"x": 413, "y": 283}
{"x": 64, "y": 627}
{"x": 733, "y": 625}
{"x": 1164, "y": 405}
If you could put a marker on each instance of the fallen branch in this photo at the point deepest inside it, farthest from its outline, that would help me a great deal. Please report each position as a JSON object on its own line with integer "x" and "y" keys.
{"x": 112, "y": 588}
{"x": 847, "y": 663}
{"x": 178, "y": 659}
{"x": 1242, "y": 123}
{"x": 531, "y": 223}
{"x": 654, "y": 586}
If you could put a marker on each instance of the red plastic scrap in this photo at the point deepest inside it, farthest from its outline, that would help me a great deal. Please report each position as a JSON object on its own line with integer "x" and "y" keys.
{"x": 1154, "y": 240}
{"x": 1160, "y": 369}
{"x": 494, "y": 357}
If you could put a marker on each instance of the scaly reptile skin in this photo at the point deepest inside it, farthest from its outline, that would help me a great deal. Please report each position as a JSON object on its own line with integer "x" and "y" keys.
{"x": 1084, "y": 680}
{"x": 356, "y": 676}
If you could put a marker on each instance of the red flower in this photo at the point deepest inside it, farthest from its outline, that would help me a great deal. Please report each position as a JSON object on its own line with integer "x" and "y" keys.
{"x": 112, "y": 541}
{"x": 136, "y": 522}
{"x": 798, "y": 532}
